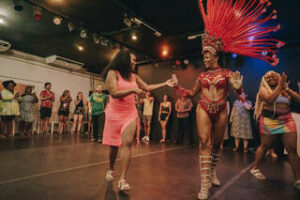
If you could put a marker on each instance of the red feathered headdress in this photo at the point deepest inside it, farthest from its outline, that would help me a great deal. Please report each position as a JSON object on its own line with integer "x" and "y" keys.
{"x": 236, "y": 26}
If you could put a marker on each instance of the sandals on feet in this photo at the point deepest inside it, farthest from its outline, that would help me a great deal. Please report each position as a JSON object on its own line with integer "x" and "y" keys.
{"x": 162, "y": 141}
{"x": 109, "y": 175}
{"x": 257, "y": 174}
{"x": 123, "y": 185}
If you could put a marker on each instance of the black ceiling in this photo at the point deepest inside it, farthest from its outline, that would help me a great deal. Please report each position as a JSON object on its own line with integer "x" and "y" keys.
{"x": 175, "y": 19}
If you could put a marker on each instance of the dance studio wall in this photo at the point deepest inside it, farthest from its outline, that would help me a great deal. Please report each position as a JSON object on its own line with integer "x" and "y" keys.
{"x": 252, "y": 70}
{"x": 36, "y": 74}
{"x": 161, "y": 72}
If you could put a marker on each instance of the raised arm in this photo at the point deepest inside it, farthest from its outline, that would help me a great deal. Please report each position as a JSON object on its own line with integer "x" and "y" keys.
{"x": 193, "y": 92}
{"x": 76, "y": 101}
{"x": 248, "y": 105}
{"x": 293, "y": 94}
{"x": 111, "y": 83}
{"x": 270, "y": 96}
{"x": 148, "y": 88}
{"x": 42, "y": 97}
{"x": 236, "y": 81}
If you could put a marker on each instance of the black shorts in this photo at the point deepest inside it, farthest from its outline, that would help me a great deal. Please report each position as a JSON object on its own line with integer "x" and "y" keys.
{"x": 63, "y": 112}
{"x": 45, "y": 112}
{"x": 7, "y": 118}
{"x": 79, "y": 111}
{"x": 163, "y": 116}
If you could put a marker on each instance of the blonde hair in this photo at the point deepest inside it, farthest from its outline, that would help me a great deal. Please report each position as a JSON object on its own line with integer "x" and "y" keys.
{"x": 259, "y": 103}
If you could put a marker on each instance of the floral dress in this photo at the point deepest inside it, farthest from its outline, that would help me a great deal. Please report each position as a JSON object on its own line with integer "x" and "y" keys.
{"x": 241, "y": 123}
{"x": 9, "y": 106}
{"x": 26, "y": 108}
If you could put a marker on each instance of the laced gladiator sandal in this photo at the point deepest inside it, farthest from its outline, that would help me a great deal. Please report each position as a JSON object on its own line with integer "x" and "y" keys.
{"x": 297, "y": 184}
{"x": 257, "y": 174}
{"x": 109, "y": 175}
{"x": 213, "y": 175}
{"x": 205, "y": 178}
{"x": 123, "y": 185}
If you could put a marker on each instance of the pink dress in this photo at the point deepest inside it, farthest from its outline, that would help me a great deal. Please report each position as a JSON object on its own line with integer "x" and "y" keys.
{"x": 119, "y": 113}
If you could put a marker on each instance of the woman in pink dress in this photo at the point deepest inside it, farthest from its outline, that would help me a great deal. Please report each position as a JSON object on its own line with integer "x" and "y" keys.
{"x": 121, "y": 114}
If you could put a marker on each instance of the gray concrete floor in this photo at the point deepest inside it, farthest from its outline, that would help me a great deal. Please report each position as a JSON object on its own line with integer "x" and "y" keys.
{"x": 70, "y": 167}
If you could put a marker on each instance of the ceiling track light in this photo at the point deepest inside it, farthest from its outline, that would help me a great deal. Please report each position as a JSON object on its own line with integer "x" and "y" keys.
{"x": 83, "y": 33}
{"x": 127, "y": 21}
{"x": 134, "y": 36}
{"x": 104, "y": 42}
{"x": 37, "y": 13}
{"x": 136, "y": 21}
{"x": 140, "y": 22}
{"x": 17, "y": 5}
{"x": 71, "y": 26}
{"x": 96, "y": 38}
{"x": 57, "y": 20}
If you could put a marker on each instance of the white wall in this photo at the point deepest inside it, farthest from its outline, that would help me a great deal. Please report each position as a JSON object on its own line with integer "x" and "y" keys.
{"x": 34, "y": 73}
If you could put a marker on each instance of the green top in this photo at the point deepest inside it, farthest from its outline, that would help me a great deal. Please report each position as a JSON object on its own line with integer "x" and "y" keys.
{"x": 98, "y": 103}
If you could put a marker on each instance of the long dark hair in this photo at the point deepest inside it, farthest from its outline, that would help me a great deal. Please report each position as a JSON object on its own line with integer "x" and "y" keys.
{"x": 122, "y": 63}
{"x": 64, "y": 93}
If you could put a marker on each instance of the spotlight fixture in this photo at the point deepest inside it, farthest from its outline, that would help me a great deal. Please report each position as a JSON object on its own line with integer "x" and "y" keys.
{"x": 104, "y": 41}
{"x": 57, "y": 20}
{"x": 264, "y": 52}
{"x": 2, "y": 21}
{"x": 157, "y": 34}
{"x": 127, "y": 21}
{"x": 251, "y": 38}
{"x": 96, "y": 38}
{"x": 80, "y": 48}
{"x": 17, "y": 5}
{"x": 165, "y": 51}
{"x": 133, "y": 36}
{"x": 37, "y": 13}
{"x": 83, "y": 33}
{"x": 136, "y": 21}
{"x": 71, "y": 26}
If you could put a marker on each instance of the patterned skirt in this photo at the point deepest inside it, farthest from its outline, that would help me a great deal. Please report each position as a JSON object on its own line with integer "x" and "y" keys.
{"x": 278, "y": 124}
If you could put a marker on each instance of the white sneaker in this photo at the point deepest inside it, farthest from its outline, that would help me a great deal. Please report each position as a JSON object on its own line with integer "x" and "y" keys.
{"x": 109, "y": 175}
{"x": 144, "y": 138}
{"x": 257, "y": 174}
{"x": 147, "y": 139}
